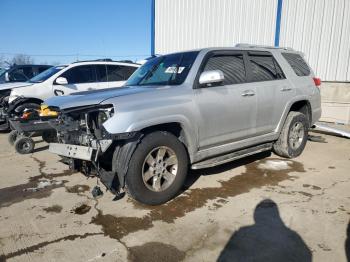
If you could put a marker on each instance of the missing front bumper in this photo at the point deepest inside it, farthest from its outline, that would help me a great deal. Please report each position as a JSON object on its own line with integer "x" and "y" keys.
{"x": 73, "y": 151}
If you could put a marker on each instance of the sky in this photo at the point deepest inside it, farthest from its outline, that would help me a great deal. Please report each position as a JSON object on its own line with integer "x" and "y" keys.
{"x": 66, "y": 30}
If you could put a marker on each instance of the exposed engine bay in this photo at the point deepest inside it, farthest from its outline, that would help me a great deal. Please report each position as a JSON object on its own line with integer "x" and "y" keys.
{"x": 90, "y": 149}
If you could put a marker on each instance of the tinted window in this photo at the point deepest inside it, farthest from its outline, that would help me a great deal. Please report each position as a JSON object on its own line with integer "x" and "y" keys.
{"x": 265, "y": 68}
{"x": 80, "y": 75}
{"x": 17, "y": 75}
{"x": 127, "y": 71}
{"x": 114, "y": 73}
{"x": 231, "y": 65}
{"x": 101, "y": 71}
{"x": 43, "y": 68}
{"x": 297, "y": 63}
{"x": 28, "y": 72}
{"x": 46, "y": 74}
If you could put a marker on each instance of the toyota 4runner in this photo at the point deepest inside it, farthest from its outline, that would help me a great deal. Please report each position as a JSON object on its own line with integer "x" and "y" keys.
{"x": 194, "y": 109}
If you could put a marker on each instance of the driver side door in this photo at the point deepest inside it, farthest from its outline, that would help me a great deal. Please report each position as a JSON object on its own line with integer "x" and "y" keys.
{"x": 228, "y": 110}
{"x": 79, "y": 78}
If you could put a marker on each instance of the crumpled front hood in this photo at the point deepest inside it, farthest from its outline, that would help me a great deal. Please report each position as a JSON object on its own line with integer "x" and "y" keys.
{"x": 92, "y": 97}
{"x": 6, "y": 86}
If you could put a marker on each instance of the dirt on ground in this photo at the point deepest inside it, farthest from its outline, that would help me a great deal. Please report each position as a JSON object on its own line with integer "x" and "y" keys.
{"x": 261, "y": 208}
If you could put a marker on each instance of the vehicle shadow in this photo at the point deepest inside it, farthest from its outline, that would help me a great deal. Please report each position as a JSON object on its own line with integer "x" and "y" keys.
{"x": 194, "y": 175}
{"x": 39, "y": 149}
{"x": 347, "y": 243}
{"x": 269, "y": 239}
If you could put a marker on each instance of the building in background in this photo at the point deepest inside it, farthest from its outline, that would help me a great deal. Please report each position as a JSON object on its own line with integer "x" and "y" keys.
{"x": 319, "y": 28}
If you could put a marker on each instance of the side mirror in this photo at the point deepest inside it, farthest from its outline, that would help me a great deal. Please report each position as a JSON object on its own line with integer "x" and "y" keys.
{"x": 61, "y": 81}
{"x": 211, "y": 77}
{"x": 7, "y": 77}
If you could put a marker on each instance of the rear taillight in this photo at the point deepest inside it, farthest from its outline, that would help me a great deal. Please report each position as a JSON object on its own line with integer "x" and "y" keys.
{"x": 317, "y": 81}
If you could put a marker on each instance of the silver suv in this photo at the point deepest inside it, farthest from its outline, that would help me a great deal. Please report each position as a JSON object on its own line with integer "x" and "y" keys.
{"x": 194, "y": 109}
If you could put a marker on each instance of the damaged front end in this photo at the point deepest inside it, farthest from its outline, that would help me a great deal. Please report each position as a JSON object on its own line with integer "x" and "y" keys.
{"x": 90, "y": 148}
{"x": 4, "y": 96}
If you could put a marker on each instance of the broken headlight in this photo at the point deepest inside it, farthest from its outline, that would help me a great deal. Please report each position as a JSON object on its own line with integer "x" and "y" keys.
{"x": 103, "y": 115}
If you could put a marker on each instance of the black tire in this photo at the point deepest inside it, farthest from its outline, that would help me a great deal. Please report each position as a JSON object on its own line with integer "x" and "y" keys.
{"x": 136, "y": 187}
{"x": 285, "y": 146}
{"x": 20, "y": 109}
{"x": 49, "y": 136}
{"x": 12, "y": 137}
{"x": 24, "y": 145}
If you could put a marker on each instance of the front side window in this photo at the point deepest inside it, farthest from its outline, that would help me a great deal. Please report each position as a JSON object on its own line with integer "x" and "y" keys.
{"x": 231, "y": 65}
{"x": 297, "y": 63}
{"x": 46, "y": 74}
{"x": 80, "y": 74}
{"x": 17, "y": 75}
{"x": 265, "y": 68}
{"x": 164, "y": 70}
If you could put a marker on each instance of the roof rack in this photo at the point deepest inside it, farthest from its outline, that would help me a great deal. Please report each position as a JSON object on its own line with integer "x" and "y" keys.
{"x": 244, "y": 45}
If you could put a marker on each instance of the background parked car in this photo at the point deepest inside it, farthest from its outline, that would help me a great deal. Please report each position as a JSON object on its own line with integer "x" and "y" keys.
{"x": 61, "y": 80}
{"x": 21, "y": 73}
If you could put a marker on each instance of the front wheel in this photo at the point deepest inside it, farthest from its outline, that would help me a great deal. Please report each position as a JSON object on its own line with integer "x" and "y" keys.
{"x": 157, "y": 169}
{"x": 24, "y": 145}
{"x": 293, "y": 137}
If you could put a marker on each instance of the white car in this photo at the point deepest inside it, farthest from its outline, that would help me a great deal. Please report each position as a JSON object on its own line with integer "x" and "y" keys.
{"x": 62, "y": 80}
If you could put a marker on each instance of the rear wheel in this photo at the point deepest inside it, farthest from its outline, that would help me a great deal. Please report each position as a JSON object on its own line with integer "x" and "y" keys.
{"x": 157, "y": 169}
{"x": 293, "y": 137}
{"x": 24, "y": 145}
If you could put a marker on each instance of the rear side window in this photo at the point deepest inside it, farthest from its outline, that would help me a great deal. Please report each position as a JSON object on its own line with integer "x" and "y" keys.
{"x": 114, "y": 73}
{"x": 297, "y": 63}
{"x": 127, "y": 71}
{"x": 101, "y": 71}
{"x": 80, "y": 75}
{"x": 265, "y": 68}
{"x": 231, "y": 65}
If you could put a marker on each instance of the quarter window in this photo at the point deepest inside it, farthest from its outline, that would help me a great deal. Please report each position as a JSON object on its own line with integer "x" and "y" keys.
{"x": 265, "y": 68}
{"x": 231, "y": 65}
{"x": 80, "y": 75}
{"x": 297, "y": 63}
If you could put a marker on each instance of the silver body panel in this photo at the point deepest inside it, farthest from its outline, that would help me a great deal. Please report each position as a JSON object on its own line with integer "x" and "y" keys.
{"x": 215, "y": 120}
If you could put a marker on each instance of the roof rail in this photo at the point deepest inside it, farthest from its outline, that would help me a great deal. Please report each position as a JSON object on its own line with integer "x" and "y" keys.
{"x": 244, "y": 45}
{"x": 105, "y": 60}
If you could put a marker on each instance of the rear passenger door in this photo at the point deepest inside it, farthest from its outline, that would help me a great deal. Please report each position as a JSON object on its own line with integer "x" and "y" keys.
{"x": 118, "y": 74}
{"x": 227, "y": 111}
{"x": 273, "y": 90}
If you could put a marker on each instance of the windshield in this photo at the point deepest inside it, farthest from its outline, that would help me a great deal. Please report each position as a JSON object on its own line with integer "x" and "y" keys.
{"x": 2, "y": 71}
{"x": 164, "y": 70}
{"x": 46, "y": 74}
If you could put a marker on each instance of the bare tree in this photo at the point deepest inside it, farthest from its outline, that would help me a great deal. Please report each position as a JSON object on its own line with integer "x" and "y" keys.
{"x": 22, "y": 59}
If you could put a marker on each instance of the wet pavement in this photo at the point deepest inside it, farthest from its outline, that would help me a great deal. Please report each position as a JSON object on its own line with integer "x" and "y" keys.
{"x": 261, "y": 208}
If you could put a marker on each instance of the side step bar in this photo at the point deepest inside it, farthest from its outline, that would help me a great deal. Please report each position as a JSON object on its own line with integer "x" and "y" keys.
{"x": 232, "y": 156}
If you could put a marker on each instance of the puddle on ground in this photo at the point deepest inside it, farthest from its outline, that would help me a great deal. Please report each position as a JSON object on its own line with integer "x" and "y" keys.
{"x": 118, "y": 227}
{"x": 53, "y": 209}
{"x": 254, "y": 177}
{"x": 155, "y": 251}
{"x": 40, "y": 186}
{"x": 81, "y": 210}
{"x": 77, "y": 189}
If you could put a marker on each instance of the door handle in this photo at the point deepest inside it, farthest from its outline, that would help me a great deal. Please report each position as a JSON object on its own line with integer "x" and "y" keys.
{"x": 286, "y": 88}
{"x": 248, "y": 93}
{"x": 58, "y": 92}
